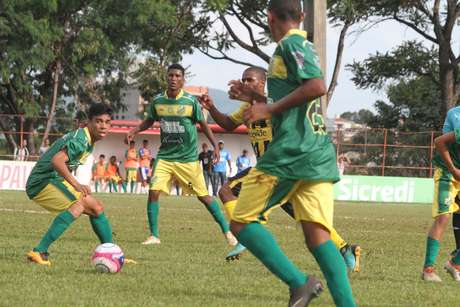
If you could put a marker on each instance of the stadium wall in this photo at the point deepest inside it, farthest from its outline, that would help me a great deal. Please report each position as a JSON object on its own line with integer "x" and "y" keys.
{"x": 13, "y": 176}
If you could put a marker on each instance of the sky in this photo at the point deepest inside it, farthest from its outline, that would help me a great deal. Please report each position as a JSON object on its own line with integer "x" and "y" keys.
{"x": 382, "y": 37}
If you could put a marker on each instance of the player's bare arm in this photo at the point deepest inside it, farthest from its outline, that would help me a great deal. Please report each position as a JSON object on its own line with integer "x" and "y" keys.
{"x": 308, "y": 91}
{"x": 441, "y": 144}
{"x": 144, "y": 125}
{"x": 205, "y": 128}
{"x": 59, "y": 164}
{"x": 240, "y": 91}
{"x": 221, "y": 119}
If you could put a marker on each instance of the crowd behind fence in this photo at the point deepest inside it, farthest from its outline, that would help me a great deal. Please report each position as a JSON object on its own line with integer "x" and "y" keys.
{"x": 373, "y": 152}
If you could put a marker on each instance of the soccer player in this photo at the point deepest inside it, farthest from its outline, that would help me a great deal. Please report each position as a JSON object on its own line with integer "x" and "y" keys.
{"x": 113, "y": 175}
{"x": 131, "y": 163}
{"x": 178, "y": 112}
{"x": 99, "y": 175}
{"x": 52, "y": 186}
{"x": 299, "y": 166}
{"x": 452, "y": 122}
{"x": 446, "y": 188}
{"x": 260, "y": 135}
{"x": 144, "y": 163}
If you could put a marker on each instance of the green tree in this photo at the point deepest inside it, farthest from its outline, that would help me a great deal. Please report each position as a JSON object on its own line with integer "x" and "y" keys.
{"x": 435, "y": 22}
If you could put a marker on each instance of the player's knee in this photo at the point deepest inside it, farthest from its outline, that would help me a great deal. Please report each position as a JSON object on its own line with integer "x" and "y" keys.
{"x": 154, "y": 195}
{"x": 224, "y": 192}
{"x": 441, "y": 220}
{"x": 236, "y": 227}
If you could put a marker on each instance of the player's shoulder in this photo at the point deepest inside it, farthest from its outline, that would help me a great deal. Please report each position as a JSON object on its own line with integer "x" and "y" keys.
{"x": 295, "y": 38}
{"x": 158, "y": 97}
{"x": 188, "y": 97}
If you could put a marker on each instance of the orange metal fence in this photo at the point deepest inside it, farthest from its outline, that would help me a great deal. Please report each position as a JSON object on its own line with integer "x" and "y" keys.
{"x": 374, "y": 152}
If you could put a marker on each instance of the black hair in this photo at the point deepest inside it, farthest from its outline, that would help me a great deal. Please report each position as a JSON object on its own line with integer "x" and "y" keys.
{"x": 97, "y": 109}
{"x": 145, "y": 141}
{"x": 132, "y": 142}
{"x": 102, "y": 156}
{"x": 286, "y": 9}
{"x": 81, "y": 115}
{"x": 260, "y": 72}
{"x": 178, "y": 67}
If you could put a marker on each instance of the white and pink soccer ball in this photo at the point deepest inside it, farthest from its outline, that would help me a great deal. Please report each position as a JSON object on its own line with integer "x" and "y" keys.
{"x": 108, "y": 258}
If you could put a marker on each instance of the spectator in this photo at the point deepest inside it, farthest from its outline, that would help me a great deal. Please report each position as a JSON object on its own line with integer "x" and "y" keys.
{"x": 131, "y": 165}
{"x": 144, "y": 164}
{"x": 205, "y": 158}
{"x": 219, "y": 175}
{"x": 342, "y": 162}
{"x": 243, "y": 161}
{"x": 99, "y": 173}
{"x": 21, "y": 153}
{"x": 44, "y": 148}
{"x": 113, "y": 175}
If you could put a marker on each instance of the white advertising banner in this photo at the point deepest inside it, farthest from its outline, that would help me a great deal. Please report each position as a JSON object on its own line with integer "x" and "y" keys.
{"x": 14, "y": 174}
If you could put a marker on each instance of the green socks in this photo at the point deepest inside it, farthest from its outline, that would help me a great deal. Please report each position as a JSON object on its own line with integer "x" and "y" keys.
{"x": 261, "y": 244}
{"x": 216, "y": 213}
{"x": 102, "y": 228}
{"x": 133, "y": 185}
{"x": 153, "y": 209}
{"x": 60, "y": 223}
{"x": 333, "y": 267}
{"x": 432, "y": 251}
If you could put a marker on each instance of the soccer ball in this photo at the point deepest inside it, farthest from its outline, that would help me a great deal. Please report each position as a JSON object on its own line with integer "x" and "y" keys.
{"x": 108, "y": 258}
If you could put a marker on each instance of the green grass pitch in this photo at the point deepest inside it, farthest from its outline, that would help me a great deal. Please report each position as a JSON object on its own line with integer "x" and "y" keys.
{"x": 188, "y": 268}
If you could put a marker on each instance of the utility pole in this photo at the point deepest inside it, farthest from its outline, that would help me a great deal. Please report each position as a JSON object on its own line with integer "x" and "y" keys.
{"x": 315, "y": 24}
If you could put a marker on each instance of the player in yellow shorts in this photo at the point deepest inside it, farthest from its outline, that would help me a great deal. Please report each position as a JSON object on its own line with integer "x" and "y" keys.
{"x": 113, "y": 175}
{"x": 446, "y": 188}
{"x": 131, "y": 165}
{"x": 260, "y": 135}
{"x": 178, "y": 112}
{"x": 299, "y": 166}
{"x": 52, "y": 186}
{"x": 99, "y": 176}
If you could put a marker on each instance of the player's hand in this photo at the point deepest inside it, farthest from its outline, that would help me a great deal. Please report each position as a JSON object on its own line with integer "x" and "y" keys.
{"x": 257, "y": 112}
{"x": 240, "y": 91}
{"x": 83, "y": 189}
{"x": 216, "y": 156}
{"x": 129, "y": 137}
{"x": 206, "y": 102}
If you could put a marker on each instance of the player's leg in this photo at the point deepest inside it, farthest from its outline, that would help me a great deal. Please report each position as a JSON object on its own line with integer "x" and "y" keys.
{"x": 190, "y": 175}
{"x": 215, "y": 183}
{"x": 456, "y": 227}
{"x": 453, "y": 266}
{"x": 350, "y": 253}
{"x": 443, "y": 206}
{"x": 161, "y": 182}
{"x": 314, "y": 206}
{"x": 259, "y": 195}
{"x": 96, "y": 184}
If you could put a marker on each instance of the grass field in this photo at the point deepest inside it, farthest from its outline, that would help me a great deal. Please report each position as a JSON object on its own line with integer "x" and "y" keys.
{"x": 188, "y": 269}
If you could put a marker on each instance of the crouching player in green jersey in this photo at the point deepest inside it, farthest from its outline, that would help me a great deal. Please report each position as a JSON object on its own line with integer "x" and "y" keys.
{"x": 299, "y": 166}
{"x": 178, "y": 113}
{"x": 260, "y": 135}
{"x": 446, "y": 188}
{"x": 52, "y": 186}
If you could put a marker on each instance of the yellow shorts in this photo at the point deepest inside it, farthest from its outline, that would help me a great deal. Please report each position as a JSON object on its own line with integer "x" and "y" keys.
{"x": 57, "y": 196}
{"x": 261, "y": 193}
{"x": 131, "y": 174}
{"x": 446, "y": 188}
{"x": 188, "y": 174}
{"x": 115, "y": 178}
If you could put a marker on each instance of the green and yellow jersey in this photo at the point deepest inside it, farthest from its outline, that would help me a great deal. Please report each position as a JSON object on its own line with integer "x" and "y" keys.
{"x": 453, "y": 152}
{"x": 178, "y": 117}
{"x": 78, "y": 145}
{"x": 260, "y": 132}
{"x": 300, "y": 148}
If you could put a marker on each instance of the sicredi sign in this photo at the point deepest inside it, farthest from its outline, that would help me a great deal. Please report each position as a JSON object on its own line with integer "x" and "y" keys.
{"x": 384, "y": 189}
